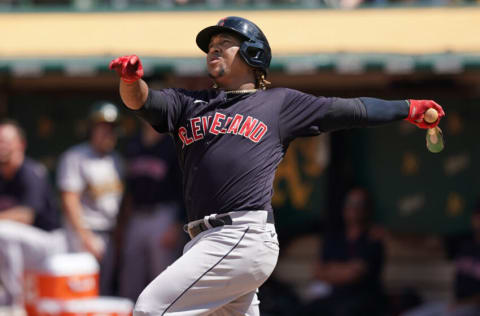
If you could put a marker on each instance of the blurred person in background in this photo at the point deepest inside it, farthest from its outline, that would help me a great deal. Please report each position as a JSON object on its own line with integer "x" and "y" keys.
{"x": 28, "y": 211}
{"x": 25, "y": 193}
{"x": 467, "y": 264}
{"x": 149, "y": 231}
{"x": 467, "y": 279}
{"x": 351, "y": 264}
{"x": 89, "y": 178}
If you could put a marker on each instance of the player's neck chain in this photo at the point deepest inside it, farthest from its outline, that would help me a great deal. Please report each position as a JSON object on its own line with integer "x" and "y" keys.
{"x": 240, "y": 91}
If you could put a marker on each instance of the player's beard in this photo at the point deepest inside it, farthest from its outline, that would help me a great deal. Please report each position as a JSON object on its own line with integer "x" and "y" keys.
{"x": 220, "y": 74}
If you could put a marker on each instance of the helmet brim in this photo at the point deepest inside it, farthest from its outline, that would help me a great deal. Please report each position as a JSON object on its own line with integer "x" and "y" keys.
{"x": 204, "y": 36}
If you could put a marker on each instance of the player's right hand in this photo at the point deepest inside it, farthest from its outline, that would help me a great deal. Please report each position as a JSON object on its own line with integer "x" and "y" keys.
{"x": 93, "y": 244}
{"x": 129, "y": 68}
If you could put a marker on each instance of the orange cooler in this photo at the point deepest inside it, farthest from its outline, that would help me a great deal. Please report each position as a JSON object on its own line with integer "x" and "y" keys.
{"x": 100, "y": 306}
{"x": 63, "y": 276}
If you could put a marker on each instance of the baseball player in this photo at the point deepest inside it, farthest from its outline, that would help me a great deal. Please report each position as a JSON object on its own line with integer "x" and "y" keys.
{"x": 230, "y": 140}
{"x": 89, "y": 178}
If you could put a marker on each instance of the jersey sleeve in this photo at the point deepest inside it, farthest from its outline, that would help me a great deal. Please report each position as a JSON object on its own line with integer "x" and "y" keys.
{"x": 163, "y": 109}
{"x": 303, "y": 114}
{"x": 69, "y": 176}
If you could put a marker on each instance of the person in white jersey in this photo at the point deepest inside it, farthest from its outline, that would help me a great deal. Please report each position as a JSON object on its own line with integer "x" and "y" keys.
{"x": 89, "y": 178}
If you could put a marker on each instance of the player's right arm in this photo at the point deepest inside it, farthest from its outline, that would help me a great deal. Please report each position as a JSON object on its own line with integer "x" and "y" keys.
{"x": 133, "y": 90}
{"x": 134, "y": 95}
{"x": 73, "y": 210}
{"x": 160, "y": 108}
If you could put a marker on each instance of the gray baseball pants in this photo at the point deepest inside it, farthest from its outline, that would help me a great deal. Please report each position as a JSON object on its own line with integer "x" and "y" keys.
{"x": 219, "y": 272}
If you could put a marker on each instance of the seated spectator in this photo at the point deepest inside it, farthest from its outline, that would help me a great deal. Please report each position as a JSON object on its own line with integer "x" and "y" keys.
{"x": 467, "y": 279}
{"x": 351, "y": 264}
{"x": 27, "y": 212}
{"x": 25, "y": 193}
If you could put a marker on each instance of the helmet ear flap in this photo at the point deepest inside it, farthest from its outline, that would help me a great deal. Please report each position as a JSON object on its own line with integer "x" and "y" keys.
{"x": 253, "y": 53}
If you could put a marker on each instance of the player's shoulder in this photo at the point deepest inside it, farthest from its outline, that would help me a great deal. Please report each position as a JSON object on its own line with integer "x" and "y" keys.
{"x": 81, "y": 149}
{"x": 275, "y": 90}
{"x": 282, "y": 96}
{"x": 77, "y": 151}
{"x": 204, "y": 95}
{"x": 282, "y": 91}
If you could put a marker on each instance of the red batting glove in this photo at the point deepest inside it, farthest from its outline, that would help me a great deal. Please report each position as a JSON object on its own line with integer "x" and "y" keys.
{"x": 417, "y": 112}
{"x": 129, "y": 68}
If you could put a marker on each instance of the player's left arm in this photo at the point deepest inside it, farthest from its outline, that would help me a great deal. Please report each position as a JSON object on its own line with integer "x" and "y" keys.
{"x": 303, "y": 114}
{"x": 19, "y": 213}
{"x": 382, "y": 111}
{"x": 368, "y": 112}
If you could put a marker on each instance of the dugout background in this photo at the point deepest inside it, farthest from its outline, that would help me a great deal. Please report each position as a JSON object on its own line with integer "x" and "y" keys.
{"x": 414, "y": 190}
{"x": 53, "y": 65}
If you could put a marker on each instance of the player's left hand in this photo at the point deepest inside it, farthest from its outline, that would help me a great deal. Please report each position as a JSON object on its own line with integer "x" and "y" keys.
{"x": 417, "y": 113}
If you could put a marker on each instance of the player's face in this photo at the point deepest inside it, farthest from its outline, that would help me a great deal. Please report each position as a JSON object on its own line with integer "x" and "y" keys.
{"x": 223, "y": 58}
{"x": 103, "y": 137}
{"x": 10, "y": 143}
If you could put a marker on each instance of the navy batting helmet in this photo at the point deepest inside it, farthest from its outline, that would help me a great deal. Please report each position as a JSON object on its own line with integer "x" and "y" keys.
{"x": 254, "y": 49}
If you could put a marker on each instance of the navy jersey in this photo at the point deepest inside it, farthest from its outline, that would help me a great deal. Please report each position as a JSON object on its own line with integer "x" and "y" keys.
{"x": 229, "y": 147}
{"x": 31, "y": 188}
